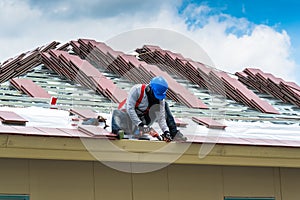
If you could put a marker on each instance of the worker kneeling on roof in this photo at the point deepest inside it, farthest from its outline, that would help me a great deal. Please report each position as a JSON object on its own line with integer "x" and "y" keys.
{"x": 145, "y": 105}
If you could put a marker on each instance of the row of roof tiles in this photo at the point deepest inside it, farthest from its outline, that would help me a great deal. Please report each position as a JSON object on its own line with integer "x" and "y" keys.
{"x": 82, "y": 72}
{"x": 269, "y": 84}
{"x": 101, "y": 55}
{"x": 212, "y": 79}
{"x": 90, "y": 56}
{"x": 133, "y": 69}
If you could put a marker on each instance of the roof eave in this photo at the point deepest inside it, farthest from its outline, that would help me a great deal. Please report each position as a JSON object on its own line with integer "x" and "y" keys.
{"x": 89, "y": 149}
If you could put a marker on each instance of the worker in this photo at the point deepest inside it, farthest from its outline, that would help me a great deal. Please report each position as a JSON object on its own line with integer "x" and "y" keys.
{"x": 145, "y": 105}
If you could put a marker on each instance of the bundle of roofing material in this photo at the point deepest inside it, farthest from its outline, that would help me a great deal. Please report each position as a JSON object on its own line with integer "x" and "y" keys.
{"x": 167, "y": 61}
{"x": 96, "y": 132}
{"x": 180, "y": 123}
{"x": 9, "y": 117}
{"x": 29, "y": 87}
{"x": 131, "y": 68}
{"x": 198, "y": 73}
{"x": 24, "y": 62}
{"x": 209, "y": 122}
{"x": 269, "y": 84}
{"x": 83, "y": 113}
{"x": 82, "y": 72}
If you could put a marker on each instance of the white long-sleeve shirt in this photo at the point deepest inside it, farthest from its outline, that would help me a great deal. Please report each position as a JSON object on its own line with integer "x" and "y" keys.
{"x": 132, "y": 98}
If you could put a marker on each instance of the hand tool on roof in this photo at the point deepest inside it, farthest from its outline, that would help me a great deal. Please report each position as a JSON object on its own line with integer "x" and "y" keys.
{"x": 95, "y": 121}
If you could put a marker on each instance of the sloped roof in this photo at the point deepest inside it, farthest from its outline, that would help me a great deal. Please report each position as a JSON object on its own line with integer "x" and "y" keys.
{"x": 247, "y": 108}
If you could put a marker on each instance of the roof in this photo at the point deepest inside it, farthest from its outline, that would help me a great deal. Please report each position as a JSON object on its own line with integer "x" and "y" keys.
{"x": 248, "y": 108}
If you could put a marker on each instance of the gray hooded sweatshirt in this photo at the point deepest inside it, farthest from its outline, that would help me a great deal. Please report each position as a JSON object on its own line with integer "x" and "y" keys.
{"x": 133, "y": 96}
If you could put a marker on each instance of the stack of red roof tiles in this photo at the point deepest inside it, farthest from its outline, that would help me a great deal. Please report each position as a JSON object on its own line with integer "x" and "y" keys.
{"x": 212, "y": 79}
{"x": 8, "y": 117}
{"x": 24, "y": 62}
{"x": 130, "y": 67}
{"x": 268, "y": 83}
{"x": 82, "y": 72}
{"x": 28, "y": 87}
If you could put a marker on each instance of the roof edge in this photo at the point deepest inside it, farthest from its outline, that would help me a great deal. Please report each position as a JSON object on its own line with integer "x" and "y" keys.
{"x": 89, "y": 149}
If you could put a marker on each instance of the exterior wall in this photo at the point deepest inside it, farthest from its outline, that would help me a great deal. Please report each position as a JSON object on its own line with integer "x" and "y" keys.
{"x": 88, "y": 180}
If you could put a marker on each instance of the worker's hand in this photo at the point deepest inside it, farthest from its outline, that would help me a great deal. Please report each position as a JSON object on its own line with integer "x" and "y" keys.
{"x": 166, "y": 136}
{"x": 144, "y": 129}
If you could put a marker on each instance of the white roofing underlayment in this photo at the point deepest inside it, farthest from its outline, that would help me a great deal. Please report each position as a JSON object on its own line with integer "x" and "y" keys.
{"x": 247, "y": 132}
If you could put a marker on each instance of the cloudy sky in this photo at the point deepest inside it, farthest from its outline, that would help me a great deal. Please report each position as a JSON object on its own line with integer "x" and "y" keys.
{"x": 234, "y": 33}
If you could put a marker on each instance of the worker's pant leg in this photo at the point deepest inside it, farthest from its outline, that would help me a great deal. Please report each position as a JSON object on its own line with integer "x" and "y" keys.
{"x": 121, "y": 120}
{"x": 170, "y": 120}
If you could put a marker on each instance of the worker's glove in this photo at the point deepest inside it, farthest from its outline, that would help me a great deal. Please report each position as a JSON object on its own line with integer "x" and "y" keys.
{"x": 144, "y": 129}
{"x": 166, "y": 136}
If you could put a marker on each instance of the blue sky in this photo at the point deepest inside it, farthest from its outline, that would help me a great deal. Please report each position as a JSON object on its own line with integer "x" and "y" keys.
{"x": 234, "y": 33}
{"x": 269, "y": 12}
{"x": 279, "y": 14}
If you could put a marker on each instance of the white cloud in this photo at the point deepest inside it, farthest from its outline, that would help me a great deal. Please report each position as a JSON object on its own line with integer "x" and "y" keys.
{"x": 97, "y": 9}
{"x": 16, "y": 20}
{"x": 15, "y": 13}
{"x": 253, "y": 45}
{"x": 250, "y": 46}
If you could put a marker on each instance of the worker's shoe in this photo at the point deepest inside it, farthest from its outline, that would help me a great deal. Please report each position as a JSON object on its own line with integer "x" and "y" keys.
{"x": 120, "y": 133}
{"x": 179, "y": 137}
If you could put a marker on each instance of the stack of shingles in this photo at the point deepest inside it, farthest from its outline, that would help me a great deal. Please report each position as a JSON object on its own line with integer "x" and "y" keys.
{"x": 9, "y": 117}
{"x": 83, "y": 113}
{"x": 167, "y": 60}
{"x": 24, "y": 62}
{"x": 96, "y": 131}
{"x": 240, "y": 93}
{"x": 82, "y": 72}
{"x": 209, "y": 122}
{"x": 130, "y": 67}
{"x": 29, "y": 87}
{"x": 269, "y": 84}
{"x": 161, "y": 58}
{"x": 198, "y": 73}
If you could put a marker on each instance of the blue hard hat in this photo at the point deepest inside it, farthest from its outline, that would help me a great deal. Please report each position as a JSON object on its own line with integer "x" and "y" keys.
{"x": 159, "y": 86}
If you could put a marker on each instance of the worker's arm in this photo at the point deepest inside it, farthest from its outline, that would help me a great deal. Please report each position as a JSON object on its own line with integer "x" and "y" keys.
{"x": 133, "y": 96}
{"x": 162, "y": 117}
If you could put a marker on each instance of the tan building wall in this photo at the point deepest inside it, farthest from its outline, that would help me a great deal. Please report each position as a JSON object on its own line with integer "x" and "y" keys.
{"x": 91, "y": 180}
